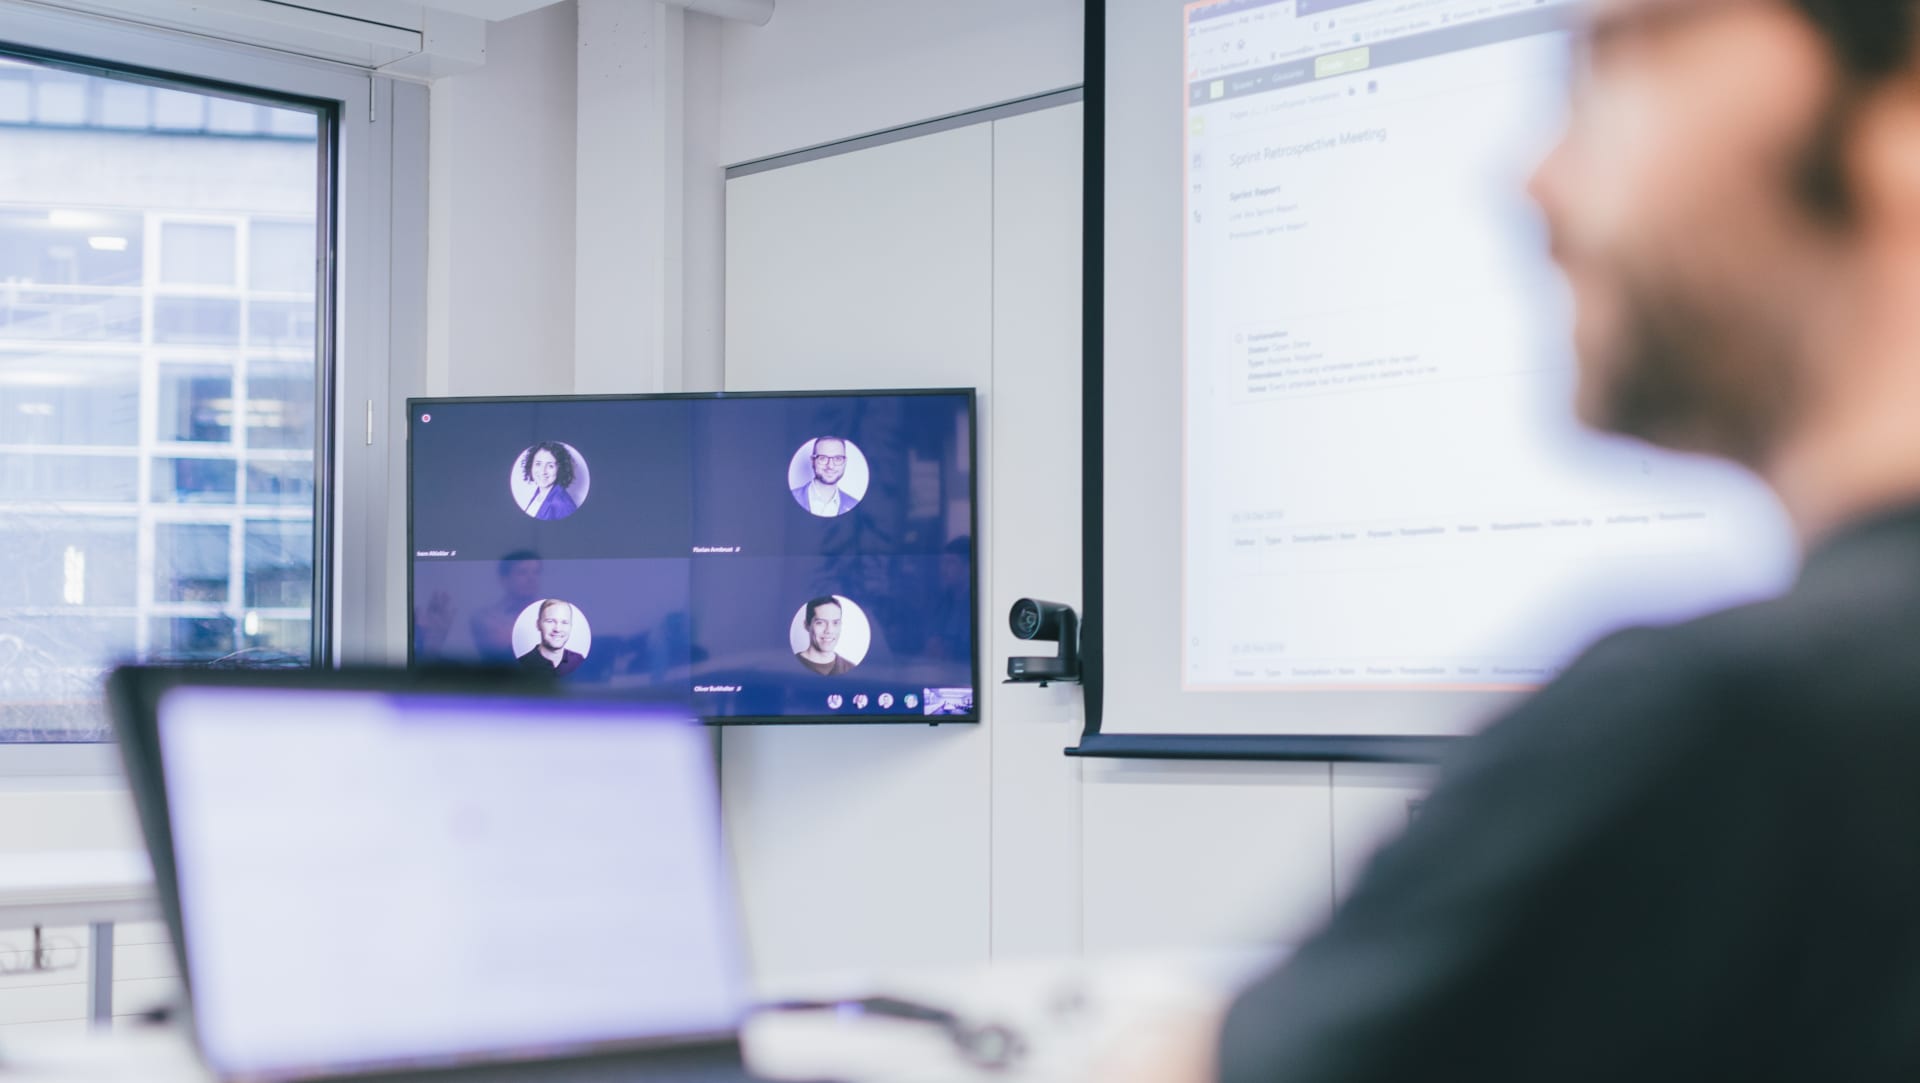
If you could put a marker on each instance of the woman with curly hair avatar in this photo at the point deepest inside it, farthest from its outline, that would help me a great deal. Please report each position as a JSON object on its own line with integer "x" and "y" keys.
{"x": 549, "y": 466}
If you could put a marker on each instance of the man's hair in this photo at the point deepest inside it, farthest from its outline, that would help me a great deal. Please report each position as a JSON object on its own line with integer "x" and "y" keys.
{"x": 518, "y": 556}
{"x": 1872, "y": 39}
{"x": 562, "y": 458}
{"x": 816, "y": 443}
{"x": 824, "y": 599}
{"x": 547, "y": 603}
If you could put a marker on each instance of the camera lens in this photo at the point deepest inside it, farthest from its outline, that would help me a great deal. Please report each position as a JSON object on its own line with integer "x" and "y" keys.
{"x": 1026, "y": 619}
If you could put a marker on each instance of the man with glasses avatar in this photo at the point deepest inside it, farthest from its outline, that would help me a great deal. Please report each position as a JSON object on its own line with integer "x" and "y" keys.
{"x": 1697, "y": 854}
{"x": 823, "y": 496}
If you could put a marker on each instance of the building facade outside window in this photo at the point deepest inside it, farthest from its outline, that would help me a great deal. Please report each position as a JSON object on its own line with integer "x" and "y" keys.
{"x": 158, "y": 385}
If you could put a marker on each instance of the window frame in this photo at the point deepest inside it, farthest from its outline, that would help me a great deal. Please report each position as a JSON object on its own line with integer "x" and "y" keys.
{"x": 373, "y": 182}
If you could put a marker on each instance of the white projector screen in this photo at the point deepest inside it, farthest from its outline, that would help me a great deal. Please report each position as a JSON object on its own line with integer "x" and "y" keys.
{"x": 1344, "y": 493}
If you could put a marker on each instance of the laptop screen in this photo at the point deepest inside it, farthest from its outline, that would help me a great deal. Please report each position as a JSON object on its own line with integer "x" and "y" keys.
{"x": 375, "y": 881}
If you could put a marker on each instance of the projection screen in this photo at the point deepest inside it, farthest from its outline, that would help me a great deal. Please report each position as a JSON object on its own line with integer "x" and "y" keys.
{"x": 1343, "y": 491}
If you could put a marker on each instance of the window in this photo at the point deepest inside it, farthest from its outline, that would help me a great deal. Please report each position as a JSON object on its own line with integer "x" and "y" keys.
{"x": 159, "y": 316}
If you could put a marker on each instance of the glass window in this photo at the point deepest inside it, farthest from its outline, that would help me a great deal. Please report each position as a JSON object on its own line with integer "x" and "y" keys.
{"x": 156, "y": 482}
{"x": 280, "y": 258}
{"x": 197, "y": 254}
{"x": 191, "y": 639}
{"x": 191, "y": 562}
{"x": 196, "y": 321}
{"x": 280, "y": 405}
{"x": 230, "y": 117}
{"x": 69, "y": 245}
{"x": 274, "y": 483}
{"x": 194, "y": 481}
{"x": 179, "y": 110}
{"x": 277, "y": 641}
{"x": 64, "y": 399}
{"x": 29, "y": 477}
{"x": 280, "y": 324}
{"x": 279, "y": 563}
{"x": 69, "y": 563}
{"x": 60, "y": 99}
{"x": 16, "y": 94}
{"x": 126, "y": 105}
{"x": 196, "y": 404}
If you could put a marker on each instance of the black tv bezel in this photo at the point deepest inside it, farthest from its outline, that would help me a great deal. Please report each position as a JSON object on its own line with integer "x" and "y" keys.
{"x": 971, "y": 397}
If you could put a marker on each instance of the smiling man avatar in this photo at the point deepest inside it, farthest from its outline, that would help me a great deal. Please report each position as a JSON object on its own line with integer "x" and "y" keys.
{"x": 550, "y": 655}
{"x": 822, "y": 496}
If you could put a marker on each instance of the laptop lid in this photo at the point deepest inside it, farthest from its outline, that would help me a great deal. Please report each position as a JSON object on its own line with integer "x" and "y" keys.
{"x": 379, "y": 872}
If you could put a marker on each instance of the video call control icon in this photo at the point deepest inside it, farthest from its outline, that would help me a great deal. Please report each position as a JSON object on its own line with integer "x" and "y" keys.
{"x": 860, "y": 701}
{"x": 836, "y": 701}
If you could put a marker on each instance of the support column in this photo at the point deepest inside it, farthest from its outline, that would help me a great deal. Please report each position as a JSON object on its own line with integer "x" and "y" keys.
{"x": 629, "y": 309}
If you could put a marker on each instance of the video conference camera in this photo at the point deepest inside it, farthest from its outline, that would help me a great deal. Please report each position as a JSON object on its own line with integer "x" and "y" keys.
{"x": 1046, "y": 622}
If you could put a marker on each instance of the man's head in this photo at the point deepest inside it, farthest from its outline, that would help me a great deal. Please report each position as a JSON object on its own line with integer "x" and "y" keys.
{"x": 829, "y": 460}
{"x": 556, "y": 624}
{"x": 823, "y": 623}
{"x": 1722, "y": 201}
{"x": 520, "y": 573}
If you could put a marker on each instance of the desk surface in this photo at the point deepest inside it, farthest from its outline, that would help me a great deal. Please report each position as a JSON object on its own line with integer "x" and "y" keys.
{"x": 75, "y": 887}
{"x": 1066, "y": 1011}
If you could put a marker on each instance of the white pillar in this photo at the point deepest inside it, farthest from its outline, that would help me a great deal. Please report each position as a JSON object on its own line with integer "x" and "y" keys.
{"x": 629, "y": 308}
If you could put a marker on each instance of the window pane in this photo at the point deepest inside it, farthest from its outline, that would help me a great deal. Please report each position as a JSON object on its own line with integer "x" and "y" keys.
{"x": 179, "y": 110}
{"x": 196, "y": 404}
{"x": 66, "y": 563}
{"x": 196, "y": 321}
{"x": 191, "y": 562}
{"x": 191, "y": 639}
{"x": 276, "y": 641}
{"x": 126, "y": 105}
{"x": 194, "y": 481}
{"x": 135, "y": 269}
{"x": 280, "y": 258}
{"x": 280, "y": 483}
{"x": 72, "y": 479}
{"x": 280, "y": 405}
{"x": 69, "y": 399}
{"x": 70, "y": 246}
{"x": 281, "y": 324}
{"x": 279, "y": 563}
{"x": 16, "y": 95}
{"x": 60, "y": 99}
{"x": 197, "y": 254}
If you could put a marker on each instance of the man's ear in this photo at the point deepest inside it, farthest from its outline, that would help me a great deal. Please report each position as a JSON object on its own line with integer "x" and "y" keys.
{"x": 1883, "y": 158}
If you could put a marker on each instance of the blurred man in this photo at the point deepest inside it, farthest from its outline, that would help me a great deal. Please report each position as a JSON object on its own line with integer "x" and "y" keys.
{"x": 1697, "y": 855}
{"x": 550, "y": 654}
{"x": 492, "y": 625}
{"x": 823, "y": 496}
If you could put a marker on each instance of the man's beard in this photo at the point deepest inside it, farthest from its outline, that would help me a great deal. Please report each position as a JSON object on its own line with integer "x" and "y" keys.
{"x": 1714, "y": 362}
{"x": 1693, "y": 373}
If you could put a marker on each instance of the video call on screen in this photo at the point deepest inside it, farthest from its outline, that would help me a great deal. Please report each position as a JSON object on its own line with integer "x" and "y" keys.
{"x": 751, "y": 556}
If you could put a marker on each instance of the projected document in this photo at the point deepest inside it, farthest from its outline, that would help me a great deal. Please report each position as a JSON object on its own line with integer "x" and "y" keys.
{"x": 1385, "y": 486}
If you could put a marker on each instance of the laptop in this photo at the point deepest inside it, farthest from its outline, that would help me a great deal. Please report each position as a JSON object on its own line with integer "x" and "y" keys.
{"x": 383, "y": 875}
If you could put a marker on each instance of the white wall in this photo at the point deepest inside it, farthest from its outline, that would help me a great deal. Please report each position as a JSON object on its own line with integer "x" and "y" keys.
{"x": 871, "y": 838}
{"x": 500, "y": 222}
{"x": 824, "y": 70}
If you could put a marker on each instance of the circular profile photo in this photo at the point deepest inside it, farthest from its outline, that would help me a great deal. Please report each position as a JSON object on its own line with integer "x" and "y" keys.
{"x": 828, "y": 476}
{"x": 830, "y": 635}
{"x": 552, "y": 636}
{"x": 549, "y": 480}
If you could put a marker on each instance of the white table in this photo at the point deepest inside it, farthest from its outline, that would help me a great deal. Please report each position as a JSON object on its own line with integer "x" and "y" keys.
{"x": 96, "y": 888}
{"x": 1068, "y": 1011}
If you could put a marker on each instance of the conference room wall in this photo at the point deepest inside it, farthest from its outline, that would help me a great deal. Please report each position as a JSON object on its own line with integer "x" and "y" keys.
{"x": 954, "y": 257}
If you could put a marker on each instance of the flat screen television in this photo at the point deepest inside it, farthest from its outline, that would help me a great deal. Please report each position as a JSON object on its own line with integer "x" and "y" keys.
{"x": 802, "y": 557}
